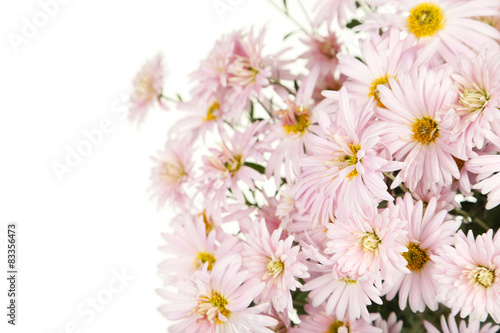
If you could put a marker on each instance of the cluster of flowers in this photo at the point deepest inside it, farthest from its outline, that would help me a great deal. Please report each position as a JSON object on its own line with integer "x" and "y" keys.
{"x": 329, "y": 192}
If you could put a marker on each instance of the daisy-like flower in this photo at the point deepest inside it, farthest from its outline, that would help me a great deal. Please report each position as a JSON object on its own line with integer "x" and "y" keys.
{"x": 172, "y": 170}
{"x": 468, "y": 275}
{"x": 202, "y": 115}
{"x": 478, "y": 84}
{"x": 421, "y": 124}
{"x": 346, "y": 163}
{"x": 274, "y": 261}
{"x": 251, "y": 70}
{"x": 391, "y": 325}
{"x": 452, "y": 327}
{"x": 487, "y": 167}
{"x": 213, "y": 73}
{"x": 225, "y": 167}
{"x": 147, "y": 89}
{"x": 384, "y": 57}
{"x": 317, "y": 321}
{"x": 217, "y": 302}
{"x": 293, "y": 131}
{"x": 426, "y": 232}
{"x": 443, "y": 26}
{"x": 191, "y": 246}
{"x": 322, "y": 51}
{"x": 370, "y": 247}
{"x": 333, "y": 10}
{"x": 347, "y": 297}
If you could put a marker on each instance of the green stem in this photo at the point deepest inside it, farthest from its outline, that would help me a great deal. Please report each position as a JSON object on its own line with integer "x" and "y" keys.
{"x": 401, "y": 186}
{"x": 285, "y": 12}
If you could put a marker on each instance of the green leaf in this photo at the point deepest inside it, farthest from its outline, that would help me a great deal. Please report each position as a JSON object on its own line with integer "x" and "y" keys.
{"x": 353, "y": 24}
{"x": 257, "y": 167}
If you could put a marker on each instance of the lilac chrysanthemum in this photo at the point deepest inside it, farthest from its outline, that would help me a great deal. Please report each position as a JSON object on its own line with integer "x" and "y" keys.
{"x": 468, "y": 275}
{"x": 428, "y": 231}
{"x": 274, "y": 261}
{"x": 368, "y": 246}
{"x": 346, "y": 163}
{"x": 217, "y": 302}
{"x": 421, "y": 121}
{"x": 451, "y": 326}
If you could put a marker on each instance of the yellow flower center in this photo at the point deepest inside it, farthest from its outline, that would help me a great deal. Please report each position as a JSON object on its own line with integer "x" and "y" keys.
{"x": 416, "y": 257}
{"x": 214, "y": 301}
{"x": 425, "y": 20}
{"x": 210, "y": 112}
{"x": 302, "y": 122}
{"x": 145, "y": 89}
{"x": 234, "y": 164}
{"x": 482, "y": 276}
{"x": 351, "y": 159}
{"x": 334, "y": 328}
{"x": 425, "y": 130}
{"x": 460, "y": 163}
{"x": 370, "y": 242}
{"x": 473, "y": 100}
{"x": 173, "y": 172}
{"x": 275, "y": 267}
{"x": 202, "y": 258}
{"x": 348, "y": 280}
{"x": 209, "y": 223}
{"x": 374, "y": 92}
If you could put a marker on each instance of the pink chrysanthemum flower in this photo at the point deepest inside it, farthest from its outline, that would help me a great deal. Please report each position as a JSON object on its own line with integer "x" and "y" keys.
{"x": 225, "y": 167}
{"x": 191, "y": 246}
{"x": 317, "y": 321}
{"x": 478, "y": 84}
{"x": 213, "y": 73}
{"x": 251, "y": 70}
{"x": 217, "y": 302}
{"x": 443, "y": 26}
{"x": 371, "y": 246}
{"x": 421, "y": 122}
{"x": 347, "y": 297}
{"x": 333, "y": 10}
{"x": 346, "y": 163}
{"x": 392, "y": 325}
{"x": 426, "y": 232}
{"x": 172, "y": 170}
{"x": 488, "y": 169}
{"x": 293, "y": 131}
{"x": 322, "y": 51}
{"x": 451, "y": 326}
{"x": 274, "y": 261}
{"x": 202, "y": 115}
{"x": 468, "y": 275}
{"x": 445, "y": 196}
{"x": 148, "y": 85}
{"x": 384, "y": 57}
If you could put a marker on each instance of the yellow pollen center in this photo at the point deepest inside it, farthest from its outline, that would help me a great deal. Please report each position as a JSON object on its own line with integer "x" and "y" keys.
{"x": 146, "y": 88}
{"x": 370, "y": 242}
{"x": 334, "y": 327}
{"x": 460, "y": 163}
{"x": 416, "y": 257}
{"x": 209, "y": 224}
{"x": 482, "y": 276}
{"x": 302, "y": 122}
{"x": 425, "y": 130}
{"x": 275, "y": 267}
{"x": 473, "y": 100}
{"x": 234, "y": 164}
{"x": 348, "y": 280}
{"x": 202, "y": 258}
{"x": 351, "y": 159}
{"x": 173, "y": 172}
{"x": 217, "y": 301}
{"x": 210, "y": 112}
{"x": 425, "y": 20}
{"x": 374, "y": 92}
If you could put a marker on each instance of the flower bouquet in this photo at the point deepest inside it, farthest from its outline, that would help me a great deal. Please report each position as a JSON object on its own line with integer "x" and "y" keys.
{"x": 349, "y": 183}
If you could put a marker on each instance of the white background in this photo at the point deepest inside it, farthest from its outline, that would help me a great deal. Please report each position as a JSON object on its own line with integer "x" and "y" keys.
{"x": 65, "y": 80}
